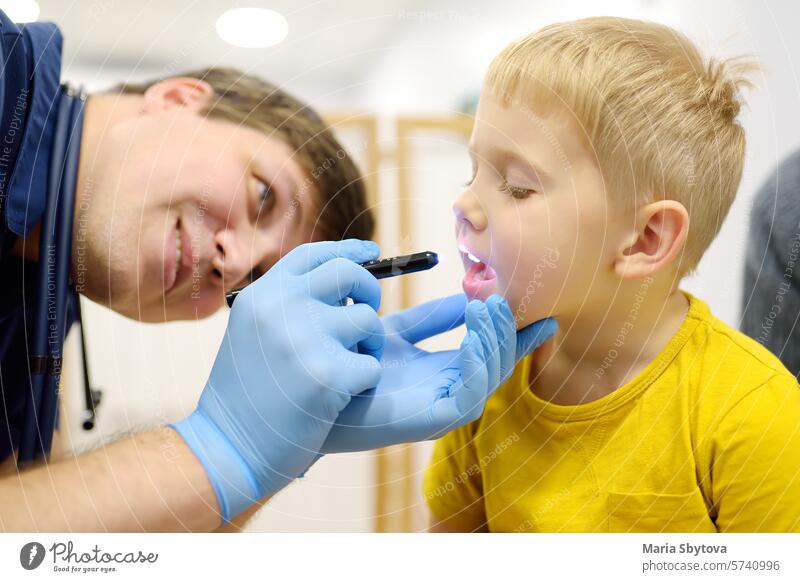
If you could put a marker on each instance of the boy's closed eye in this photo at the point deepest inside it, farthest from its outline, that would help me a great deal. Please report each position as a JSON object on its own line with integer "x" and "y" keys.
{"x": 517, "y": 192}
{"x": 518, "y": 178}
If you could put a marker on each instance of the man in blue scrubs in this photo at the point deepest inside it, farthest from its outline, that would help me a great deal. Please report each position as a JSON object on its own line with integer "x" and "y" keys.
{"x": 178, "y": 200}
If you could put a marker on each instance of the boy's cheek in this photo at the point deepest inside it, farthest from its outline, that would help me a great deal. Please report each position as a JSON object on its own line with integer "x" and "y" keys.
{"x": 529, "y": 308}
{"x": 535, "y": 295}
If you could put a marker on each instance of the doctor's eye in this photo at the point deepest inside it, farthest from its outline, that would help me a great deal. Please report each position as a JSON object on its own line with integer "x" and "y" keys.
{"x": 266, "y": 197}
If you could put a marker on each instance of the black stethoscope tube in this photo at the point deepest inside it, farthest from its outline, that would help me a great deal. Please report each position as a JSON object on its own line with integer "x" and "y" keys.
{"x": 52, "y": 296}
{"x": 91, "y": 397}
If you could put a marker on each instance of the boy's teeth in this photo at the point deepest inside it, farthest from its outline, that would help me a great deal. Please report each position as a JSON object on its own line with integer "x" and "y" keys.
{"x": 470, "y": 256}
{"x": 178, "y": 250}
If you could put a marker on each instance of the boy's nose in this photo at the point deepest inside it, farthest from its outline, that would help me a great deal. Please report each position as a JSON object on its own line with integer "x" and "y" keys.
{"x": 468, "y": 209}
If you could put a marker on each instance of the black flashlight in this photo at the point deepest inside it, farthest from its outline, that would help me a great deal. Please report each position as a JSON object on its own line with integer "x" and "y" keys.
{"x": 383, "y": 268}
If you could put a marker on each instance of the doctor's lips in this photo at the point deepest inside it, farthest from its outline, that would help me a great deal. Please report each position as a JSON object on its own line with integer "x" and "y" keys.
{"x": 479, "y": 276}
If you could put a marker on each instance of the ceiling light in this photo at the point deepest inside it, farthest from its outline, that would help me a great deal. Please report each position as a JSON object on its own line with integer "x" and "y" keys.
{"x": 20, "y": 10}
{"x": 252, "y": 27}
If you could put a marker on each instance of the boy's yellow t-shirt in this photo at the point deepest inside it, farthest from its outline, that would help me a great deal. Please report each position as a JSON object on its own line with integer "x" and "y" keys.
{"x": 705, "y": 439}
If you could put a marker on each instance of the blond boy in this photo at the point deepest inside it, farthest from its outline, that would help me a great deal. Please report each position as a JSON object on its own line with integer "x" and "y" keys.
{"x": 606, "y": 153}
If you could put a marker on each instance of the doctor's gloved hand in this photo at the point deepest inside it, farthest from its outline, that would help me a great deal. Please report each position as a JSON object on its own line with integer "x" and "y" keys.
{"x": 292, "y": 357}
{"x": 423, "y": 395}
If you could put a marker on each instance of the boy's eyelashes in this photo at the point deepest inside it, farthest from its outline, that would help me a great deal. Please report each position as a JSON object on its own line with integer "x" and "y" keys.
{"x": 515, "y": 191}
{"x": 469, "y": 182}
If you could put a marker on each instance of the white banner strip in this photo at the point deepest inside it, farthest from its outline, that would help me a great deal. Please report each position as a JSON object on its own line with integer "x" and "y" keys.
{"x": 401, "y": 557}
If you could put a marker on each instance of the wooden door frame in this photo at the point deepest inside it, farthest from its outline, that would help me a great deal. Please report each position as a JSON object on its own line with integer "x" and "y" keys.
{"x": 396, "y": 492}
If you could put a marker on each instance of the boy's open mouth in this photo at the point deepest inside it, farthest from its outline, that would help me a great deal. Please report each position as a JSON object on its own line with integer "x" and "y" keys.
{"x": 480, "y": 277}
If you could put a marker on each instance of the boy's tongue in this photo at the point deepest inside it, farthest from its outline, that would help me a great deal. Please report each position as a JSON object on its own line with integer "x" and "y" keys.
{"x": 480, "y": 278}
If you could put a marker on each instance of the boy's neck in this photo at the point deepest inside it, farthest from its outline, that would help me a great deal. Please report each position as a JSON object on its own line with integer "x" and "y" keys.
{"x": 598, "y": 351}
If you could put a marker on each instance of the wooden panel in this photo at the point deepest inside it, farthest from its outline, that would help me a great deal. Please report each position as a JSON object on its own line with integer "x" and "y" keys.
{"x": 395, "y": 466}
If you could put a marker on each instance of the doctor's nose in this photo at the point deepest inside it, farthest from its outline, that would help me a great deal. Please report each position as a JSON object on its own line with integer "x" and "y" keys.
{"x": 231, "y": 263}
{"x": 468, "y": 209}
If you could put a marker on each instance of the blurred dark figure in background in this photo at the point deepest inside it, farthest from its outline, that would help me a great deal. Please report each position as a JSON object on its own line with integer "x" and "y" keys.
{"x": 771, "y": 302}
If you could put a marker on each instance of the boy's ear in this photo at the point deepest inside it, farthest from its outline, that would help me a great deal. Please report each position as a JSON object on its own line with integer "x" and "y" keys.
{"x": 661, "y": 231}
{"x": 184, "y": 92}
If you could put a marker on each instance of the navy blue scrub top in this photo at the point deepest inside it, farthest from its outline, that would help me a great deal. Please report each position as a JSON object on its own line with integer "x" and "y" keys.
{"x": 29, "y": 97}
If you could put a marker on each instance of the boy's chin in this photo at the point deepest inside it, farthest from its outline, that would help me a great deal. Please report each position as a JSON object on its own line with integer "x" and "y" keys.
{"x": 525, "y": 312}
{"x": 480, "y": 295}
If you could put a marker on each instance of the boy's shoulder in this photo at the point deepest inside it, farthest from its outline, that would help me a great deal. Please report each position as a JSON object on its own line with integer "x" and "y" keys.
{"x": 721, "y": 358}
{"x": 716, "y": 364}
{"x": 735, "y": 345}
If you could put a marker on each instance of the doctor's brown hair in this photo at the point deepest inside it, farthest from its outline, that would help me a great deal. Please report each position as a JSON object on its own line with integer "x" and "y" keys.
{"x": 339, "y": 192}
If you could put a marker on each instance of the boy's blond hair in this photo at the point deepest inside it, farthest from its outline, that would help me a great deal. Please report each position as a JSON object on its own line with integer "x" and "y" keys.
{"x": 659, "y": 119}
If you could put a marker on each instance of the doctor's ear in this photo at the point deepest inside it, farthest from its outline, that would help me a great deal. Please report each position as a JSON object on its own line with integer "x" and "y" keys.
{"x": 184, "y": 92}
{"x": 658, "y": 239}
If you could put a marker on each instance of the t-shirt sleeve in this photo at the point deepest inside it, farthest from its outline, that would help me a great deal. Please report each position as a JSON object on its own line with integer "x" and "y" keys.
{"x": 452, "y": 482}
{"x": 756, "y": 461}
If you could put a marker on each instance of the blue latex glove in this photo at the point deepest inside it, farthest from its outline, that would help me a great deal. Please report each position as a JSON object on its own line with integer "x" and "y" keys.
{"x": 423, "y": 395}
{"x": 292, "y": 356}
